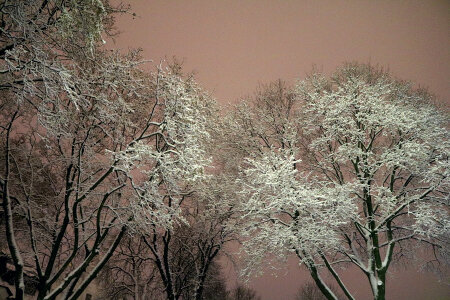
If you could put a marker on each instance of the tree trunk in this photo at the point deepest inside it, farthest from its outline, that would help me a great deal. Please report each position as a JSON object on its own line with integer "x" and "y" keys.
{"x": 381, "y": 287}
{"x": 99, "y": 266}
{"x": 326, "y": 291}
{"x": 9, "y": 226}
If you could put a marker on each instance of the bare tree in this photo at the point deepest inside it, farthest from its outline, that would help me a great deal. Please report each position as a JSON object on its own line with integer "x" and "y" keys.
{"x": 129, "y": 274}
{"x": 215, "y": 284}
{"x": 184, "y": 254}
{"x": 241, "y": 292}
{"x": 177, "y": 262}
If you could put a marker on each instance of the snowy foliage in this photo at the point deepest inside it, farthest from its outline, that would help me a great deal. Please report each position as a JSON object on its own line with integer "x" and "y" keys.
{"x": 286, "y": 213}
{"x": 91, "y": 145}
{"x": 378, "y": 133}
{"x": 164, "y": 172}
{"x": 373, "y": 172}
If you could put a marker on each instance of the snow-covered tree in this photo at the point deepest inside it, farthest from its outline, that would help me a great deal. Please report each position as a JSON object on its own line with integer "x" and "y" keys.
{"x": 104, "y": 168}
{"x": 183, "y": 254}
{"x": 91, "y": 145}
{"x": 343, "y": 170}
{"x": 129, "y": 274}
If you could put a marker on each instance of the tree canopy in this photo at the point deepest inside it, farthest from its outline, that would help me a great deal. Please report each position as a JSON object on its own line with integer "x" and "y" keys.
{"x": 107, "y": 167}
{"x": 342, "y": 170}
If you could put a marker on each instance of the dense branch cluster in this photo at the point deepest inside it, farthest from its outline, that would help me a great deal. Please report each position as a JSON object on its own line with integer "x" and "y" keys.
{"x": 353, "y": 166}
{"x": 92, "y": 146}
{"x": 112, "y": 172}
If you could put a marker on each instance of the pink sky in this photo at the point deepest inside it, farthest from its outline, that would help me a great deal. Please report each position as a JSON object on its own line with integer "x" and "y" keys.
{"x": 235, "y": 45}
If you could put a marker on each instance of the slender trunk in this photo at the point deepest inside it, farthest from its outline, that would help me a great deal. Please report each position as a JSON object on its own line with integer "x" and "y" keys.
{"x": 44, "y": 284}
{"x": 9, "y": 226}
{"x": 163, "y": 269}
{"x": 136, "y": 281}
{"x": 99, "y": 266}
{"x": 377, "y": 280}
{"x": 12, "y": 244}
{"x": 326, "y": 291}
{"x": 377, "y": 265}
{"x": 337, "y": 278}
{"x": 381, "y": 286}
{"x": 200, "y": 287}
{"x": 169, "y": 288}
{"x": 136, "y": 290}
{"x": 201, "y": 284}
{"x": 204, "y": 273}
{"x": 382, "y": 270}
{"x": 71, "y": 288}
